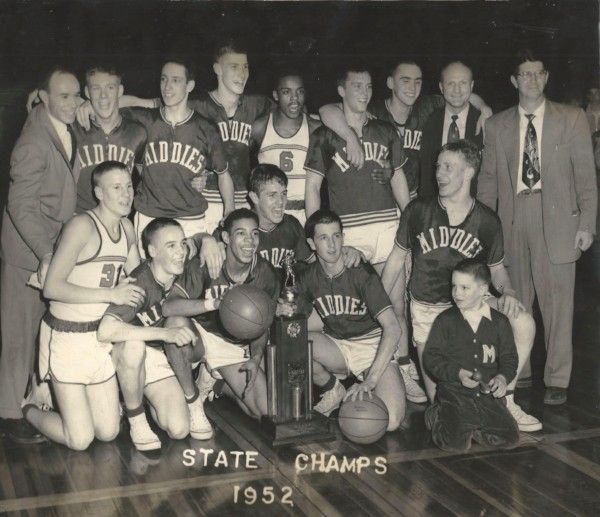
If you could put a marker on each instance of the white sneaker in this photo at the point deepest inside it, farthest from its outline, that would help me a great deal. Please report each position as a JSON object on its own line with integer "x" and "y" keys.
{"x": 200, "y": 427}
{"x": 331, "y": 400}
{"x": 527, "y": 423}
{"x": 142, "y": 436}
{"x": 410, "y": 376}
{"x": 205, "y": 383}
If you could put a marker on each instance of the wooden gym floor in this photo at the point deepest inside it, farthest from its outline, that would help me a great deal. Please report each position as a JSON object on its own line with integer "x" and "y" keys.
{"x": 554, "y": 472}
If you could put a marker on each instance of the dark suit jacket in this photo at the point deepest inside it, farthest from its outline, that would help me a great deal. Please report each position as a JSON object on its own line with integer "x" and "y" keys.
{"x": 569, "y": 189}
{"x": 41, "y": 195}
{"x": 431, "y": 142}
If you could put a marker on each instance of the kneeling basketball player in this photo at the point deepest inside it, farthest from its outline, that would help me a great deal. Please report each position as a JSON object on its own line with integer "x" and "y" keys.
{"x": 361, "y": 328}
{"x": 93, "y": 249}
{"x": 195, "y": 295}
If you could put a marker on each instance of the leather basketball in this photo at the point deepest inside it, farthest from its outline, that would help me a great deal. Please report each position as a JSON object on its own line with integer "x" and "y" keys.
{"x": 246, "y": 312}
{"x": 363, "y": 421}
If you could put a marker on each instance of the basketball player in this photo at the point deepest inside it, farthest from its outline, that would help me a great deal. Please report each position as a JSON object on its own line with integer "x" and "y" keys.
{"x": 195, "y": 295}
{"x": 439, "y": 233}
{"x": 361, "y": 329}
{"x": 140, "y": 328}
{"x": 93, "y": 250}
{"x": 282, "y": 138}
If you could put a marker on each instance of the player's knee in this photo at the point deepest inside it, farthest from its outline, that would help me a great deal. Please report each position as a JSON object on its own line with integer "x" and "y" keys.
{"x": 177, "y": 427}
{"x": 79, "y": 440}
{"x": 523, "y": 327}
{"x": 108, "y": 434}
{"x": 395, "y": 419}
{"x": 130, "y": 354}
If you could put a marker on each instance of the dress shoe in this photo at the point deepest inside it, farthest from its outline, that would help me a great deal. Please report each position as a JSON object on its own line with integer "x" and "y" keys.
{"x": 555, "y": 396}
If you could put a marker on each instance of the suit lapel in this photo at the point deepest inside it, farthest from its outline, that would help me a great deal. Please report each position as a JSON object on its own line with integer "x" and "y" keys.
{"x": 438, "y": 123}
{"x": 510, "y": 138}
{"x": 472, "y": 116}
{"x": 551, "y": 132}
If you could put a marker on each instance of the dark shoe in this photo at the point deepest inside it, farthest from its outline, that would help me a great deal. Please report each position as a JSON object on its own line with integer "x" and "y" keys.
{"x": 525, "y": 382}
{"x": 555, "y": 396}
{"x": 21, "y": 431}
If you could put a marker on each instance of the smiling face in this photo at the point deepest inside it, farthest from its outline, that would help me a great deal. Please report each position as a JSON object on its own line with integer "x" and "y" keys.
{"x": 327, "y": 242}
{"x": 115, "y": 191}
{"x": 168, "y": 249}
{"x": 62, "y": 98}
{"x": 242, "y": 240}
{"x": 456, "y": 86}
{"x": 467, "y": 292}
{"x": 406, "y": 83}
{"x": 174, "y": 86}
{"x": 104, "y": 90}
{"x": 270, "y": 203}
{"x": 232, "y": 72}
{"x": 356, "y": 91}
{"x": 289, "y": 96}
{"x": 453, "y": 173}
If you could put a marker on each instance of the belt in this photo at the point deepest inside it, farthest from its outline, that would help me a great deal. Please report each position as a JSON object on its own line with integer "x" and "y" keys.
{"x": 529, "y": 192}
{"x": 295, "y": 205}
{"x": 70, "y": 326}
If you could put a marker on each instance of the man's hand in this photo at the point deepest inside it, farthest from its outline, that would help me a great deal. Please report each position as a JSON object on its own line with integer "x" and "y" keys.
{"x": 486, "y": 112}
{"x": 359, "y": 390}
{"x": 251, "y": 369}
{"x": 383, "y": 175}
{"x": 85, "y": 114}
{"x": 192, "y": 248}
{"x": 43, "y": 268}
{"x": 583, "y": 240}
{"x": 352, "y": 257}
{"x": 199, "y": 182}
{"x": 498, "y": 386}
{"x": 466, "y": 379}
{"x": 510, "y": 306}
{"x": 180, "y": 336}
{"x": 127, "y": 294}
{"x": 354, "y": 151}
{"x": 212, "y": 253}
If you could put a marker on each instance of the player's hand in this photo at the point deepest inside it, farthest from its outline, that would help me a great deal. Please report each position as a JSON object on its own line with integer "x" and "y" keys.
{"x": 498, "y": 386}
{"x": 192, "y": 248}
{"x": 383, "y": 175}
{"x": 354, "y": 151}
{"x": 285, "y": 308}
{"x": 85, "y": 114}
{"x": 359, "y": 390}
{"x": 212, "y": 253}
{"x": 466, "y": 379}
{"x": 583, "y": 240}
{"x": 180, "y": 336}
{"x": 199, "y": 182}
{"x": 32, "y": 100}
{"x": 251, "y": 369}
{"x": 127, "y": 293}
{"x": 510, "y": 306}
{"x": 486, "y": 112}
{"x": 352, "y": 257}
{"x": 43, "y": 268}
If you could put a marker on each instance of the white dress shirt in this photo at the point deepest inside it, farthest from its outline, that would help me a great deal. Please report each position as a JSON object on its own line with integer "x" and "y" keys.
{"x": 63, "y": 134}
{"x": 473, "y": 316}
{"x": 538, "y": 123}
{"x": 461, "y": 122}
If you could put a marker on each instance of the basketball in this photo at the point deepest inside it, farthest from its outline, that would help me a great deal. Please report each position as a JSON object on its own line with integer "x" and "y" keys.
{"x": 246, "y": 312}
{"x": 363, "y": 421}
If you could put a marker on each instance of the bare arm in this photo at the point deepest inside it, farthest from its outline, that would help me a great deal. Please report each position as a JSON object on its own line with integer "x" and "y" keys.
{"x": 333, "y": 117}
{"x": 394, "y": 267}
{"x": 312, "y": 192}
{"x": 112, "y": 330}
{"x": 133, "y": 257}
{"x": 188, "y": 308}
{"x": 400, "y": 189}
{"x": 226, "y": 189}
{"x": 131, "y": 101}
{"x": 387, "y": 346}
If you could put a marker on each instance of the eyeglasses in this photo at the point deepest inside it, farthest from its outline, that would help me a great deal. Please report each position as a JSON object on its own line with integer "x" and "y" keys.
{"x": 530, "y": 75}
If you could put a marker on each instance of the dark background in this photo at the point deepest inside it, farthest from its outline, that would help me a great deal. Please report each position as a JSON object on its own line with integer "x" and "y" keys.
{"x": 318, "y": 36}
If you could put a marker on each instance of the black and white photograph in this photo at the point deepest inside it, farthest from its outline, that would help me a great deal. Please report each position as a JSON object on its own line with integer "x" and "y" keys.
{"x": 314, "y": 258}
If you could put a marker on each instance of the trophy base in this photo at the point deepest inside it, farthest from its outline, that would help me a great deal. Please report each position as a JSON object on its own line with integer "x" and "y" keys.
{"x": 317, "y": 428}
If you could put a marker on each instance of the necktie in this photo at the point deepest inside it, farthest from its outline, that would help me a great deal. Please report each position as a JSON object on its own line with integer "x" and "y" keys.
{"x": 531, "y": 160}
{"x": 73, "y": 145}
{"x": 453, "y": 134}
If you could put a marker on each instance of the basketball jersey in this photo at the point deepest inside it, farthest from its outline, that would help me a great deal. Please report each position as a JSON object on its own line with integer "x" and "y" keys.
{"x": 125, "y": 144}
{"x": 103, "y": 269}
{"x": 411, "y": 132}
{"x": 174, "y": 155}
{"x": 149, "y": 312}
{"x": 437, "y": 247}
{"x": 353, "y": 194}
{"x": 285, "y": 239}
{"x": 235, "y": 133}
{"x": 196, "y": 284}
{"x": 348, "y": 303}
{"x": 289, "y": 154}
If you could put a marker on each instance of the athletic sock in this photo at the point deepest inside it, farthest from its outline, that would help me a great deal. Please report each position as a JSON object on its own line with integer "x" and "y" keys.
{"x": 194, "y": 397}
{"x": 132, "y": 413}
{"x": 404, "y": 359}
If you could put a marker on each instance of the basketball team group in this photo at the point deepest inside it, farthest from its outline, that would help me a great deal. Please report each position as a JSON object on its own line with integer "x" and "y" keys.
{"x": 421, "y": 219}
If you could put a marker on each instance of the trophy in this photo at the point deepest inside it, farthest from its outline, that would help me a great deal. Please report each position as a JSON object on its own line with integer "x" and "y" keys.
{"x": 291, "y": 418}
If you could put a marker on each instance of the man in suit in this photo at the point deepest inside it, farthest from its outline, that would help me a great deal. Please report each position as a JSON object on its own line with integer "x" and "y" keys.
{"x": 538, "y": 171}
{"x": 41, "y": 197}
{"x": 456, "y": 120}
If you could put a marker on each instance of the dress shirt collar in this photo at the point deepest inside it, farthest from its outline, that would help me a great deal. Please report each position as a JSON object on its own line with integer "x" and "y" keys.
{"x": 483, "y": 311}
{"x": 538, "y": 112}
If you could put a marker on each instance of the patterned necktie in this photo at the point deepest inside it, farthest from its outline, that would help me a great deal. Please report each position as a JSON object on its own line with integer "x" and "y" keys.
{"x": 73, "y": 145}
{"x": 531, "y": 160}
{"x": 453, "y": 134}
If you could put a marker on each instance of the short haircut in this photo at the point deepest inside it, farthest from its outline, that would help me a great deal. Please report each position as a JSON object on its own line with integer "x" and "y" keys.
{"x": 102, "y": 69}
{"x": 356, "y": 68}
{"x": 228, "y": 46}
{"x": 523, "y": 56}
{"x": 477, "y": 269}
{"x": 237, "y": 215}
{"x": 403, "y": 61}
{"x": 286, "y": 71}
{"x": 469, "y": 151}
{"x": 455, "y": 62}
{"x": 264, "y": 173}
{"x": 153, "y": 226}
{"x": 322, "y": 216}
{"x": 104, "y": 167}
{"x": 57, "y": 69}
{"x": 182, "y": 61}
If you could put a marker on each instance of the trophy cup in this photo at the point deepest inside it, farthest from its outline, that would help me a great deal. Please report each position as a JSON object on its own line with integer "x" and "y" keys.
{"x": 291, "y": 418}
